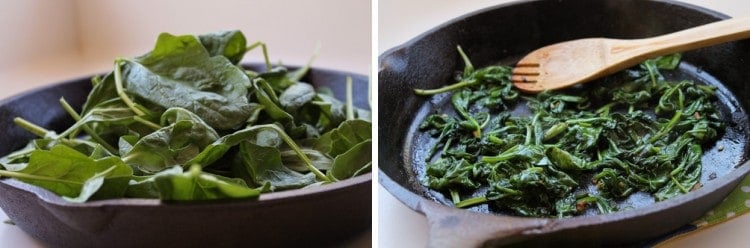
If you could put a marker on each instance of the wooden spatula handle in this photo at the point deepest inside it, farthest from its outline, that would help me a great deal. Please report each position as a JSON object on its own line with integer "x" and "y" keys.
{"x": 688, "y": 39}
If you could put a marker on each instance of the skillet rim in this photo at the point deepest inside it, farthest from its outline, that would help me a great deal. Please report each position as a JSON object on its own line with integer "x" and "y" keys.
{"x": 414, "y": 200}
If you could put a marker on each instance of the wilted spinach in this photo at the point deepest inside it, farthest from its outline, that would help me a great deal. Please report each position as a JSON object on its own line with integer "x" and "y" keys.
{"x": 634, "y": 131}
{"x": 185, "y": 122}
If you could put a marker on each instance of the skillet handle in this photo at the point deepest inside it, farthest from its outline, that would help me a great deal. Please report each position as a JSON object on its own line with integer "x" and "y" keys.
{"x": 451, "y": 227}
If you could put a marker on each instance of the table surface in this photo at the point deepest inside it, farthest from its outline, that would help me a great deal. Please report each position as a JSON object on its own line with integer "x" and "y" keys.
{"x": 399, "y": 21}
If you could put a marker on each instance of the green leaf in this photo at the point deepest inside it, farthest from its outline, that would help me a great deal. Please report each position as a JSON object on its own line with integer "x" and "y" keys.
{"x": 99, "y": 152}
{"x": 230, "y": 44}
{"x": 685, "y": 176}
{"x": 448, "y": 173}
{"x": 268, "y": 99}
{"x": 218, "y": 148}
{"x": 179, "y": 72}
{"x": 17, "y": 160}
{"x": 278, "y": 78}
{"x": 108, "y": 114}
{"x": 635, "y": 131}
{"x": 103, "y": 90}
{"x": 91, "y": 186}
{"x": 667, "y": 62}
{"x": 528, "y": 153}
{"x": 296, "y": 96}
{"x": 187, "y": 104}
{"x": 349, "y": 163}
{"x": 347, "y": 135}
{"x": 145, "y": 186}
{"x": 176, "y": 144}
{"x": 126, "y": 143}
{"x": 566, "y": 161}
{"x": 74, "y": 175}
{"x": 196, "y": 185}
{"x": 261, "y": 162}
{"x": 291, "y": 159}
{"x": 332, "y": 108}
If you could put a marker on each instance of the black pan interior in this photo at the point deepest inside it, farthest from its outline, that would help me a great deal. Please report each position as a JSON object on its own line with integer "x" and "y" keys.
{"x": 719, "y": 159}
{"x": 502, "y": 34}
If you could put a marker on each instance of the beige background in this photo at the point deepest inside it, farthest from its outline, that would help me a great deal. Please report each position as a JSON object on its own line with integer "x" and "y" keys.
{"x": 399, "y": 21}
{"x": 47, "y": 41}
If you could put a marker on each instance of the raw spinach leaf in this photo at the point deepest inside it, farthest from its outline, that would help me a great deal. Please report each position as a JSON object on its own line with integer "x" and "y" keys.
{"x": 332, "y": 111}
{"x": 296, "y": 96}
{"x": 107, "y": 115}
{"x": 261, "y": 162}
{"x": 103, "y": 90}
{"x": 347, "y": 135}
{"x": 91, "y": 186}
{"x": 74, "y": 175}
{"x": 195, "y": 185}
{"x": 188, "y": 104}
{"x": 278, "y": 78}
{"x": 185, "y": 137}
{"x": 230, "y": 44}
{"x": 145, "y": 186}
{"x": 17, "y": 160}
{"x": 291, "y": 159}
{"x": 348, "y": 163}
{"x": 179, "y": 72}
{"x": 267, "y": 98}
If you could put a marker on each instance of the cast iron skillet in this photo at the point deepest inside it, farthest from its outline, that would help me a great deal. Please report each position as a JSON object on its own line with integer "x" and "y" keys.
{"x": 502, "y": 34}
{"x": 317, "y": 216}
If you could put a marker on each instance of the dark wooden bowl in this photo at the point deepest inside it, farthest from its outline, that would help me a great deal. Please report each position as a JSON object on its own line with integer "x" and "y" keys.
{"x": 319, "y": 216}
{"x": 502, "y": 34}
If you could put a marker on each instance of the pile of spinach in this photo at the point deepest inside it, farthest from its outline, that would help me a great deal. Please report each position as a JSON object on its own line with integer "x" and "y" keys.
{"x": 186, "y": 122}
{"x": 566, "y": 151}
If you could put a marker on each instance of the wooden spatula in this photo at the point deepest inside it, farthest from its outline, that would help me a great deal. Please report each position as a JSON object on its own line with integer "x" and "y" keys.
{"x": 568, "y": 63}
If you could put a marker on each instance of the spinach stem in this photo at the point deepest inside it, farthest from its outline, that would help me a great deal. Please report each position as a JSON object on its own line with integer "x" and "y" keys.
{"x": 264, "y": 50}
{"x": 478, "y": 131}
{"x": 423, "y": 92}
{"x": 299, "y": 73}
{"x": 604, "y": 110}
{"x": 651, "y": 73}
{"x": 438, "y": 143}
{"x": 296, "y": 149}
{"x": 683, "y": 189}
{"x": 121, "y": 91}
{"x": 472, "y": 201}
{"x": 666, "y": 129}
{"x": 86, "y": 127}
{"x": 484, "y": 124}
{"x": 147, "y": 123}
{"x": 31, "y": 127}
{"x": 455, "y": 196}
{"x": 583, "y": 120}
{"x": 266, "y": 89}
{"x": 468, "y": 67}
{"x": 447, "y": 145}
{"x": 527, "y": 141}
{"x": 21, "y": 175}
{"x": 349, "y": 99}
